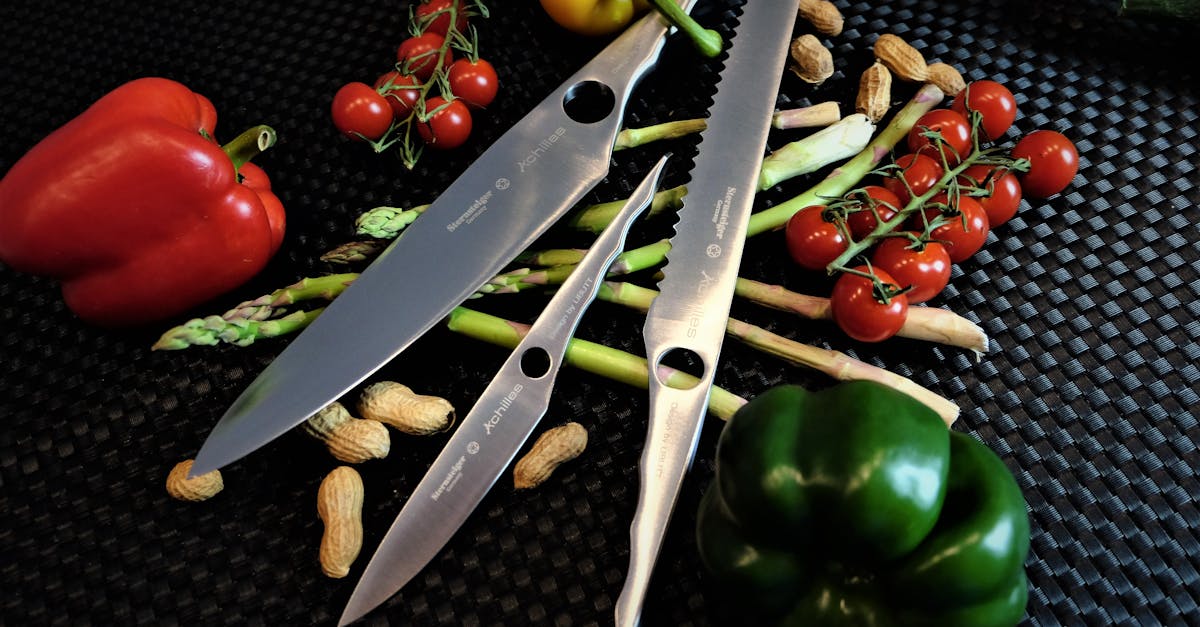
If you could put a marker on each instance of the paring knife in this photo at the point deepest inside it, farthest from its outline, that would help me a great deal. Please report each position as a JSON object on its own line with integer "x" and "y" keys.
{"x": 496, "y": 427}
{"x": 692, "y": 309}
{"x": 519, "y": 187}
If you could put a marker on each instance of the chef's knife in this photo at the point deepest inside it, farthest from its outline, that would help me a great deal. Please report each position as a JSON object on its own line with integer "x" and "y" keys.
{"x": 691, "y": 311}
{"x": 496, "y": 427}
{"x": 520, "y": 186}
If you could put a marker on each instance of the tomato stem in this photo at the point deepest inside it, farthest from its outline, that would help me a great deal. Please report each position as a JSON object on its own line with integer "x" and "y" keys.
{"x": 948, "y": 184}
{"x": 400, "y": 131}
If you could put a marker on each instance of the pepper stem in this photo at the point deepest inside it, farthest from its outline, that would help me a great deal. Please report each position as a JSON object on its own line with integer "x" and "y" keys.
{"x": 249, "y": 144}
{"x": 706, "y": 40}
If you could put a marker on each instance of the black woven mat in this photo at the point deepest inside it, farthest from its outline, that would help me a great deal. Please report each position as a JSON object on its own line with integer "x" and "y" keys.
{"x": 1090, "y": 300}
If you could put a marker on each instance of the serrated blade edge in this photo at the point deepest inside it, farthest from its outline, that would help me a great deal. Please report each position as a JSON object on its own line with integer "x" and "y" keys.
{"x": 692, "y": 308}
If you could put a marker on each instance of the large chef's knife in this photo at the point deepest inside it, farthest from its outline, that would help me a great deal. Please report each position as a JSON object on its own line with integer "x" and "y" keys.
{"x": 524, "y": 183}
{"x": 496, "y": 427}
{"x": 691, "y": 311}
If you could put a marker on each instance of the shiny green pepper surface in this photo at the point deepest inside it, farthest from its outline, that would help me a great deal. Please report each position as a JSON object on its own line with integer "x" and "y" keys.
{"x": 856, "y": 506}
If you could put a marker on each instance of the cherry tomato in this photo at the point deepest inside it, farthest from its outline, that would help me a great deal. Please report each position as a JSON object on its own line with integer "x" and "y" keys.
{"x": 994, "y": 103}
{"x": 925, "y": 267}
{"x": 886, "y": 204}
{"x": 474, "y": 82}
{"x": 401, "y": 92}
{"x": 812, "y": 241}
{"x": 1003, "y": 188}
{"x": 441, "y": 23}
{"x": 858, "y": 311}
{"x": 964, "y": 228}
{"x": 921, "y": 172}
{"x": 419, "y": 55}
{"x": 361, "y": 112}
{"x": 448, "y": 126}
{"x": 955, "y": 132}
{"x": 1053, "y": 162}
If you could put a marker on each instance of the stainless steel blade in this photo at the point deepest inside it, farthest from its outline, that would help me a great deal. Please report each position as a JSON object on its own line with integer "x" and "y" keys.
{"x": 692, "y": 308}
{"x": 497, "y": 426}
{"x": 524, "y": 183}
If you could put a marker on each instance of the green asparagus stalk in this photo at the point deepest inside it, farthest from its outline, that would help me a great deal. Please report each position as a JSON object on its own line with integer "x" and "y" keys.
{"x": 553, "y": 257}
{"x": 312, "y": 288}
{"x": 387, "y": 222}
{"x": 930, "y": 324}
{"x": 595, "y": 217}
{"x": 589, "y": 357}
{"x": 353, "y": 252}
{"x": 213, "y": 330}
{"x": 634, "y": 137}
{"x": 707, "y": 41}
{"x": 1161, "y": 9}
{"x": 256, "y": 319}
{"x": 828, "y": 145}
{"x": 821, "y": 114}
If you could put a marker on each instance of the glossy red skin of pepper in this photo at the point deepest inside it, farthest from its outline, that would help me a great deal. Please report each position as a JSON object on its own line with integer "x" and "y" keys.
{"x": 136, "y": 209}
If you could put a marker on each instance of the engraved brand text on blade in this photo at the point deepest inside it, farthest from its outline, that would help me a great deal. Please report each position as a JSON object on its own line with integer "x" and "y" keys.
{"x": 694, "y": 313}
{"x": 501, "y": 409}
{"x": 576, "y": 299}
{"x": 721, "y": 212}
{"x": 452, "y": 478}
{"x": 472, "y": 212}
{"x": 541, "y": 149}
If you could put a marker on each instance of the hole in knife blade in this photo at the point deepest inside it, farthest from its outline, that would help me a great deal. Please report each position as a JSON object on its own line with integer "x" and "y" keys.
{"x": 588, "y": 102}
{"x": 683, "y": 360}
{"x": 535, "y": 363}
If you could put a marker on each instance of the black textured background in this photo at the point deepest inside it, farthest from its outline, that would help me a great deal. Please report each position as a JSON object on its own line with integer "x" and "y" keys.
{"x": 1090, "y": 300}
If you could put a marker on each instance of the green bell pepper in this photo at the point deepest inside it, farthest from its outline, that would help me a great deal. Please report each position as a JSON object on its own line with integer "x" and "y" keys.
{"x": 856, "y": 506}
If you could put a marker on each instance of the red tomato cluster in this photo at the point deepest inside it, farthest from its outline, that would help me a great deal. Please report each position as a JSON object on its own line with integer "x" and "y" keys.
{"x": 425, "y": 62}
{"x": 910, "y": 259}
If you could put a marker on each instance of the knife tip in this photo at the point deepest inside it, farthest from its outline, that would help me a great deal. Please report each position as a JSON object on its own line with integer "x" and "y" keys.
{"x": 353, "y": 611}
{"x": 206, "y": 461}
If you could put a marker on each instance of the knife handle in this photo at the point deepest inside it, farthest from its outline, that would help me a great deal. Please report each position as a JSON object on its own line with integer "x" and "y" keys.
{"x": 676, "y": 419}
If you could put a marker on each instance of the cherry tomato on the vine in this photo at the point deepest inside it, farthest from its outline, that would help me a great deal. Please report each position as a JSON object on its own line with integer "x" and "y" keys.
{"x": 474, "y": 82}
{"x": 361, "y": 112}
{"x": 994, "y": 103}
{"x": 920, "y": 171}
{"x": 812, "y": 241}
{"x": 886, "y": 204}
{"x": 401, "y": 92}
{"x": 955, "y": 132}
{"x": 860, "y": 313}
{"x": 441, "y": 23}
{"x": 419, "y": 55}
{"x": 963, "y": 230}
{"x": 1004, "y": 191}
{"x": 448, "y": 126}
{"x": 925, "y": 267}
{"x": 1053, "y": 162}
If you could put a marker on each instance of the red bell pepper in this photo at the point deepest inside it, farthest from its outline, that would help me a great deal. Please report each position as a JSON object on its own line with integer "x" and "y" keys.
{"x": 137, "y": 209}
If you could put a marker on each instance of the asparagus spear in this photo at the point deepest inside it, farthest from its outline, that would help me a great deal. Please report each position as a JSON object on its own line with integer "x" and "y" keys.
{"x": 1163, "y": 9}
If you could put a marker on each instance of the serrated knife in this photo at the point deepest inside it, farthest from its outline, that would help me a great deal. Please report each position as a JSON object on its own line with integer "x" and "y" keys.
{"x": 690, "y": 313}
{"x": 512, "y": 193}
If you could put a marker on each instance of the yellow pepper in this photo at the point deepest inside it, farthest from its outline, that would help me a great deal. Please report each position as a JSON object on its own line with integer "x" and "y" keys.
{"x": 593, "y": 17}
